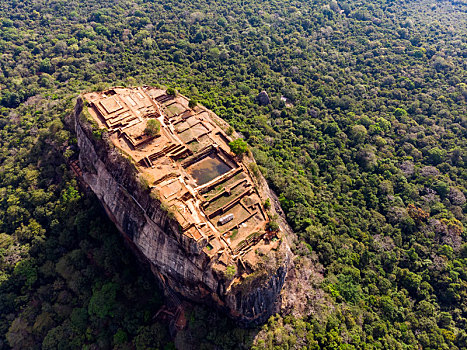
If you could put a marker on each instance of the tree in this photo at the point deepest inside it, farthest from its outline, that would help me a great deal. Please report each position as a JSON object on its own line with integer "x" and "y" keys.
{"x": 400, "y": 112}
{"x": 20, "y": 335}
{"x": 239, "y": 147}
{"x": 102, "y": 303}
{"x": 192, "y": 103}
{"x": 358, "y": 133}
{"x": 153, "y": 127}
{"x": 442, "y": 188}
{"x": 436, "y": 155}
{"x": 171, "y": 92}
{"x": 120, "y": 337}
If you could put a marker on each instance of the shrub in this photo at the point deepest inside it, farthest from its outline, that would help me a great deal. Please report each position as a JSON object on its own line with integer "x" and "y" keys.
{"x": 153, "y": 127}
{"x": 230, "y": 272}
{"x": 272, "y": 226}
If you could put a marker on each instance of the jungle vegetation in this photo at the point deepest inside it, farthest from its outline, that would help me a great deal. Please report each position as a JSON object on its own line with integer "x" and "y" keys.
{"x": 364, "y": 142}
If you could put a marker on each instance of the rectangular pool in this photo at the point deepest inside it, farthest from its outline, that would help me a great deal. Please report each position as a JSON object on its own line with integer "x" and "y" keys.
{"x": 208, "y": 169}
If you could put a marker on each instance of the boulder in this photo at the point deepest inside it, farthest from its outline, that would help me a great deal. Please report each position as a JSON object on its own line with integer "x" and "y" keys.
{"x": 263, "y": 98}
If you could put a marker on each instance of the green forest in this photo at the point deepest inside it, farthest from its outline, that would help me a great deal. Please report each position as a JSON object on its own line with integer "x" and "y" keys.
{"x": 364, "y": 142}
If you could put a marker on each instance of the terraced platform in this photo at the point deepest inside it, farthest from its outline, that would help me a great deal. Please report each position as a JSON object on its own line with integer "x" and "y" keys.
{"x": 189, "y": 166}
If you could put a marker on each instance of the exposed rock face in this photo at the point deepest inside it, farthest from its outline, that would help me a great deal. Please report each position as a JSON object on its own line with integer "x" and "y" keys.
{"x": 263, "y": 98}
{"x": 180, "y": 263}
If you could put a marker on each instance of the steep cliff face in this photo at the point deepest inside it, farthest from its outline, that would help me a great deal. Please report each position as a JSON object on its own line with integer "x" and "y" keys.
{"x": 179, "y": 262}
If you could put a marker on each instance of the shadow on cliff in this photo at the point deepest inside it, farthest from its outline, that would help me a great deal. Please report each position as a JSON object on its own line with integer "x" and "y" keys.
{"x": 210, "y": 329}
{"x": 206, "y": 328}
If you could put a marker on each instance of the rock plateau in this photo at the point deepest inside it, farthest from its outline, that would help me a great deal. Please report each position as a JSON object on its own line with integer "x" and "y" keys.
{"x": 165, "y": 174}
